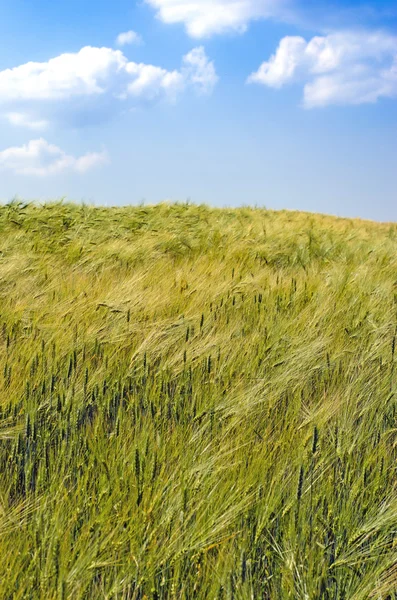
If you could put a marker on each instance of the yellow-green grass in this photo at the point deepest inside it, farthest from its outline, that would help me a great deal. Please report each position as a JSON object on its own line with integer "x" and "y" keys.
{"x": 196, "y": 403}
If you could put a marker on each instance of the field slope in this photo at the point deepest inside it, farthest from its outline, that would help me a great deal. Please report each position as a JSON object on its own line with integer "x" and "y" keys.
{"x": 196, "y": 403}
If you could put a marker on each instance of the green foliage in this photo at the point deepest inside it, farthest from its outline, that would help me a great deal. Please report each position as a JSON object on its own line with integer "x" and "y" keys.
{"x": 196, "y": 403}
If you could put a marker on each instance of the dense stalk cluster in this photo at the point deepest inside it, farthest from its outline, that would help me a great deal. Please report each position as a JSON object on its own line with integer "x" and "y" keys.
{"x": 196, "y": 403}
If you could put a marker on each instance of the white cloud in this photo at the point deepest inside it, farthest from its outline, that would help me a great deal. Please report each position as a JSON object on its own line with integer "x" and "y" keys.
{"x": 340, "y": 68}
{"x": 200, "y": 71}
{"x": 150, "y": 82}
{"x": 282, "y": 66}
{"x": 84, "y": 73}
{"x": 39, "y": 158}
{"x": 24, "y": 120}
{"x": 203, "y": 18}
{"x": 128, "y": 37}
{"x": 92, "y": 82}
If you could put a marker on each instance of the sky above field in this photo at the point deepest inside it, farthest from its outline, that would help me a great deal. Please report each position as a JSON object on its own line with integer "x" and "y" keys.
{"x": 277, "y": 103}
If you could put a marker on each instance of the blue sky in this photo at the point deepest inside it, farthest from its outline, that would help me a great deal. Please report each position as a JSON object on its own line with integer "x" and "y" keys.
{"x": 274, "y": 103}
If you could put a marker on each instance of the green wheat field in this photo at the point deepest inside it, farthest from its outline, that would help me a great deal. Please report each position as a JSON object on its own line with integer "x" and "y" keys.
{"x": 196, "y": 403}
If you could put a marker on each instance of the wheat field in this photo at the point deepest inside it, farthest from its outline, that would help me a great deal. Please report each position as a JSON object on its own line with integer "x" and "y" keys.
{"x": 196, "y": 403}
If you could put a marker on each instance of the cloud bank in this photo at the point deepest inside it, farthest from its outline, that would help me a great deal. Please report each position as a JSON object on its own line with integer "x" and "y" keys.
{"x": 95, "y": 81}
{"x": 342, "y": 68}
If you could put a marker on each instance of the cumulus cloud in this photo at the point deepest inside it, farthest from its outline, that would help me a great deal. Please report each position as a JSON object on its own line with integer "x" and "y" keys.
{"x": 39, "y": 158}
{"x": 128, "y": 37}
{"x": 203, "y": 18}
{"x": 92, "y": 81}
{"x": 340, "y": 68}
{"x": 87, "y": 72}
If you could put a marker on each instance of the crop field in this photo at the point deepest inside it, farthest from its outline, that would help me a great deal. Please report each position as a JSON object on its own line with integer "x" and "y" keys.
{"x": 196, "y": 403}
